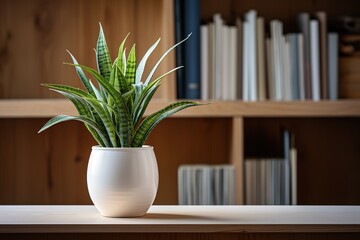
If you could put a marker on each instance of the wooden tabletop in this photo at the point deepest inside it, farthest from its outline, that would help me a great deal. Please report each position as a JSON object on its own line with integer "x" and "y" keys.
{"x": 62, "y": 219}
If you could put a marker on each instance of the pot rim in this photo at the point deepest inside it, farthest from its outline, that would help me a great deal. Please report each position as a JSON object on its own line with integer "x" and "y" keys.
{"x": 144, "y": 147}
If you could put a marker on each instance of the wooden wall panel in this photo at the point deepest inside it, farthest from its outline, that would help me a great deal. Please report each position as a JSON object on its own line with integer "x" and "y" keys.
{"x": 34, "y": 35}
{"x": 46, "y": 168}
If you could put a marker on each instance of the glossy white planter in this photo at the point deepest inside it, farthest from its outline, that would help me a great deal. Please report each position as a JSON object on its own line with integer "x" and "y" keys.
{"x": 122, "y": 182}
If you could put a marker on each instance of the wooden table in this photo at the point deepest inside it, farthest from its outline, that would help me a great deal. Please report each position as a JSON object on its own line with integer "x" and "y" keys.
{"x": 182, "y": 222}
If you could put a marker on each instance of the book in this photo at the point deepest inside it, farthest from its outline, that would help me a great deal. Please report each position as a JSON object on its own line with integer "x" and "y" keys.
{"x": 315, "y": 59}
{"x": 260, "y": 64}
{"x": 203, "y": 184}
{"x": 218, "y": 56}
{"x": 321, "y": 17}
{"x": 179, "y": 58}
{"x": 292, "y": 39}
{"x": 333, "y": 68}
{"x": 204, "y": 30}
{"x": 239, "y": 27}
{"x": 302, "y": 88}
{"x": 276, "y": 34}
{"x": 293, "y": 167}
{"x": 250, "y": 17}
{"x": 232, "y": 53}
{"x": 191, "y": 20}
{"x": 304, "y": 25}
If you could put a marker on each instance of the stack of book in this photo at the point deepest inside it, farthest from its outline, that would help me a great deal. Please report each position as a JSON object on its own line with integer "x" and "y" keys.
{"x": 206, "y": 185}
{"x": 272, "y": 181}
{"x": 242, "y": 62}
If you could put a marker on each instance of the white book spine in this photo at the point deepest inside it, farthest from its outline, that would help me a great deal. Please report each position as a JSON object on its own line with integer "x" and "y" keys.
{"x": 261, "y": 74}
{"x": 204, "y": 31}
{"x": 315, "y": 59}
{"x": 218, "y": 22}
{"x": 245, "y": 61}
{"x": 233, "y": 63}
{"x": 225, "y": 65}
{"x": 251, "y": 19}
{"x": 301, "y": 66}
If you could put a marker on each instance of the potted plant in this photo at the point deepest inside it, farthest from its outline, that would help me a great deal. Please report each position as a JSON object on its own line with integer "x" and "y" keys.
{"x": 122, "y": 174}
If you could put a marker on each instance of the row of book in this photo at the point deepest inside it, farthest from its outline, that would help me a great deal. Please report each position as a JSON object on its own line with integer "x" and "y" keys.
{"x": 242, "y": 62}
{"x": 206, "y": 185}
{"x": 272, "y": 181}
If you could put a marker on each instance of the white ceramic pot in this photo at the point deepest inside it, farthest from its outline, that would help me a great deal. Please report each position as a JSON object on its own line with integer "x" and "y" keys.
{"x": 122, "y": 182}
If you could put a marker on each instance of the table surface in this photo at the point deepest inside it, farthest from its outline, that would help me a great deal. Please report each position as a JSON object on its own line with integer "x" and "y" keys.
{"x": 69, "y": 218}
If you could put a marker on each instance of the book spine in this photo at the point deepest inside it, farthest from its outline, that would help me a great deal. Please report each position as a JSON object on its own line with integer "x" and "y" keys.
{"x": 204, "y": 62}
{"x": 315, "y": 59}
{"x": 240, "y": 52}
{"x": 252, "y": 56}
{"x": 302, "y": 88}
{"x": 179, "y": 56}
{"x": 261, "y": 59}
{"x": 333, "y": 66}
{"x": 191, "y": 17}
{"x": 321, "y": 17}
{"x": 304, "y": 24}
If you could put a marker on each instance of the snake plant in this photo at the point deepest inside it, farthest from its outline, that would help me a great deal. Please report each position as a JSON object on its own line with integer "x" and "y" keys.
{"x": 113, "y": 110}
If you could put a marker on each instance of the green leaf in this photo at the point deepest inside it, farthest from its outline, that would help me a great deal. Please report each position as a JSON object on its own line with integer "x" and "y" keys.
{"x": 126, "y": 127}
{"x": 131, "y": 67}
{"x": 144, "y": 96}
{"x": 121, "y": 63}
{"x": 103, "y": 59}
{"x": 162, "y": 57}
{"x": 148, "y": 124}
{"x": 103, "y": 114}
{"x": 84, "y": 110}
{"x": 81, "y": 75}
{"x": 141, "y": 66}
{"x": 63, "y": 118}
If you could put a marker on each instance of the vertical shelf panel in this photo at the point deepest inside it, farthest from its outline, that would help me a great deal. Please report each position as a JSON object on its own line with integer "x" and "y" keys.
{"x": 237, "y": 155}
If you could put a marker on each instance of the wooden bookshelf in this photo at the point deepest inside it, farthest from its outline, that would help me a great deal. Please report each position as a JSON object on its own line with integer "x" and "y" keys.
{"x": 45, "y": 108}
{"x": 50, "y": 168}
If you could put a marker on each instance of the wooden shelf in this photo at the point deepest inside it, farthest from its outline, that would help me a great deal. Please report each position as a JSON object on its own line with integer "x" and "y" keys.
{"x": 37, "y": 108}
{"x": 182, "y": 219}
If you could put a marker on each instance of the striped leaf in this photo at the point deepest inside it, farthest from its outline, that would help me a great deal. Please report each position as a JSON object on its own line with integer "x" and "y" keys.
{"x": 121, "y": 63}
{"x": 98, "y": 107}
{"x": 160, "y": 60}
{"x": 81, "y": 75}
{"x": 148, "y": 124}
{"x": 126, "y": 127}
{"x": 63, "y": 118}
{"x": 131, "y": 67}
{"x": 141, "y": 66}
{"x": 84, "y": 110}
{"x": 145, "y": 97}
{"x": 103, "y": 59}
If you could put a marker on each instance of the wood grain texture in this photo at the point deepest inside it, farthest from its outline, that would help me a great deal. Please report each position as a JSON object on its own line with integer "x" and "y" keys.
{"x": 50, "y": 107}
{"x": 186, "y": 219}
{"x": 36, "y": 33}
{"x": 181, "y": 236}
{"x": 237, "y": 156}
{"x": 47, "y": 168}
{"x": 349, "y": 85}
